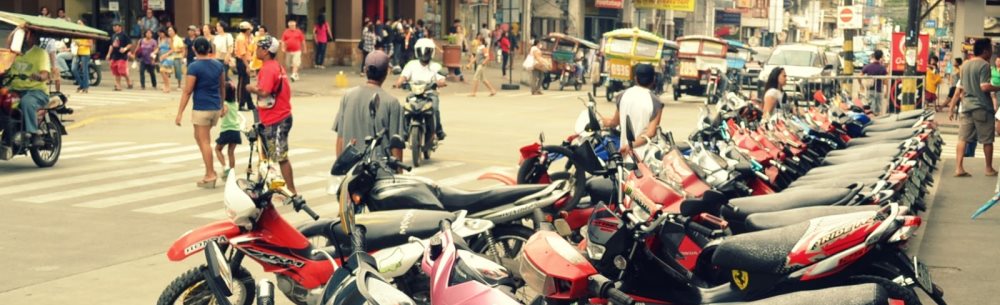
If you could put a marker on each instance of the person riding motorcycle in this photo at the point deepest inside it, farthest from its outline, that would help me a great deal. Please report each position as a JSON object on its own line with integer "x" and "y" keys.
{"x": 35, "y": 65}
{"x": 422, "y": 69}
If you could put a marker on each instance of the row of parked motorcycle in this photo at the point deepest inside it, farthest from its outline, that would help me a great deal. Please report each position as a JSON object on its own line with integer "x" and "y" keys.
{"x": 812, "y": 207}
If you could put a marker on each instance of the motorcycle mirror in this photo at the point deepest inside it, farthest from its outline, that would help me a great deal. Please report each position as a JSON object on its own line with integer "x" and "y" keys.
{"x": 373, "y": 105}
{"x": 629, "y": 132}
{"x": 541, "y": 137}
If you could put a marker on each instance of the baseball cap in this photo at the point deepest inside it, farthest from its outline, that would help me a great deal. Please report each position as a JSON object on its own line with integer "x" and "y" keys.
{"x": 269, "y": 43}
{"x": 644, "y": 74}
{"x": 376, "y": 64}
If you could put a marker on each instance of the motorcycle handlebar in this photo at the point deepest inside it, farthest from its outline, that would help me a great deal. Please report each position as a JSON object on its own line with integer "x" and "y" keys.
{"x": 601, "y": 287}
{"x": 299, "y": 204}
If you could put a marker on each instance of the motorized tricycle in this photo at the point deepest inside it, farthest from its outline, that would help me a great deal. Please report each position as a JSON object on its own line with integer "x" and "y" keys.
{"x": 565, "y": 52}
{"x": 625, "y": 48}
{"x": 702, "y": 67}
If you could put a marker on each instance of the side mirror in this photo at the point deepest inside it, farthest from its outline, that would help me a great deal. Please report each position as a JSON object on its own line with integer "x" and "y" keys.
{"x": 541, "y": 137}
{"x": 373, "y": 105}
{"x": 443, "y": 72}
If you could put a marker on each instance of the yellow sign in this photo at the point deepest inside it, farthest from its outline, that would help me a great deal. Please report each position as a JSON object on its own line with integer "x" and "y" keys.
{"x": 675, "y": 5}
{"x": 741, "y": 279}
{"x": 620, "y": 69}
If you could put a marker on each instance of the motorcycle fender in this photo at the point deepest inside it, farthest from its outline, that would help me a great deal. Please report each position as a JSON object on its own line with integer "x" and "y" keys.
{"x": 530, "y": 151}
{"x": 56, "y": 121}
{"x": 396, "y": 261}
{"x": 195, "y": 240}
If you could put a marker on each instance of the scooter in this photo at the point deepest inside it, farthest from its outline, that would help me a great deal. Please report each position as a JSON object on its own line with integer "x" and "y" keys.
{"x": 93, "y": 68}
{"x": 418, "y": 113}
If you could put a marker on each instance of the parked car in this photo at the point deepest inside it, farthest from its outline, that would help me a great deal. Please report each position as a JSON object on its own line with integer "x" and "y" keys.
{"x": 802, "y": 64}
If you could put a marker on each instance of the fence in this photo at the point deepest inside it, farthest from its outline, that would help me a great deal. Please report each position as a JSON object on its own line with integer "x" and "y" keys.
{"x": 891, "y": 97}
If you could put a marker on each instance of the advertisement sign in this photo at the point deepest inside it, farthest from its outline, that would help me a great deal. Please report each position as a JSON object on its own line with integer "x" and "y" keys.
{"x": 156, "y": 5}
{"x": 231, "y": 6}
{"x": 675, "y": 5}
{"x": 898, "y": 54}
{"x": 299, "y": 7}
{"x": 724, "y": 17}
{"x": 849, "y": 17}
{"x": 609, "y": 4}
{"x": 744, "y": 3}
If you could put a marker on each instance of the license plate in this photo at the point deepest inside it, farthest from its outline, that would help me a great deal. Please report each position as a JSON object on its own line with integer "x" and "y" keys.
{"x": 923, "y": 276}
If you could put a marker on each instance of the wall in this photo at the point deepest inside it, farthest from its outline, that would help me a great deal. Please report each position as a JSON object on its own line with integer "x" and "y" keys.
{"x": 76, "y": 8}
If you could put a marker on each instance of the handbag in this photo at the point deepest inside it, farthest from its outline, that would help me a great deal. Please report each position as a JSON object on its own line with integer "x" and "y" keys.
{"x": 543, "y": 65}
{"x": 529, "y": 63}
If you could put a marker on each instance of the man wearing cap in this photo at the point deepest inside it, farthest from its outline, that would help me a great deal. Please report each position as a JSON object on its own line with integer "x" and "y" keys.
{"x": 354, "y": 122}
{"x": 274, "y": 95}
{"x": 118, "y": 56}
{"x": 642, "y": 105}
{"x": 243, "y": 58}
{"x": 189, "y": 43}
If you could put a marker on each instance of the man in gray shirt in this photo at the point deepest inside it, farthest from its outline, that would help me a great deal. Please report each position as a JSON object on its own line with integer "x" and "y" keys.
{"x": 976, "y": 122}
{"x": 354, "y": 122}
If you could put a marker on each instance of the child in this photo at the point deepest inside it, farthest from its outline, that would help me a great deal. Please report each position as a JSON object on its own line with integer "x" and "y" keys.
{"x": 230, "y": 131}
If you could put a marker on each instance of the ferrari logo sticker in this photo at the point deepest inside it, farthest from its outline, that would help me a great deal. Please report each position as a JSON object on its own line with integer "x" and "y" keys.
{"x": 741, "y": 279}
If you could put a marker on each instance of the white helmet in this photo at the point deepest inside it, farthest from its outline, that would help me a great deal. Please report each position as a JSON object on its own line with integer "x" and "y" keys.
{"x": 424, "y": 49}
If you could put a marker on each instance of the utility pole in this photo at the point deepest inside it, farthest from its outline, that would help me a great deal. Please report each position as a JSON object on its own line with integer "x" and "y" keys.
{"x": 912, "y": 39}
{"x": 848, "y": 45}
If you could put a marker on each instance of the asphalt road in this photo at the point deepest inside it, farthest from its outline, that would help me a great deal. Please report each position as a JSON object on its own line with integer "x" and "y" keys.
{"x": 94, "y": 229}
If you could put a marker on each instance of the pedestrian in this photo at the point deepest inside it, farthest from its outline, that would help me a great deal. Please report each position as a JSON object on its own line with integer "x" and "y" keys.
{"x": 118, "y": 53}
{"x": 243, "y": 57}
{"x": 54, "y": 47}
{"x": 208, "y": 33}
{"x": 44, "y": 12}
{"x": 84, "y": 49}
{"x": 189, "y": 44}
{"x": 61, "y": 14}
{"x": 256, "y": 62}
{"x": 774, "y": 96}
{"x": 274, "y": 94}
{"x": 532, "y": 62}
{"x": 165, "y": 56}
{"x": 484, "y": 32}
{"x": 229, "y": 132}
{"x": 368, "y": 39}
{"x": 292, "y": 41}
{"x": 146, "y": 55}
{"x": 642, "y": 106}
{"x": 177, "y": 57}
{"x": 204, "y": 82}
{"x": 955, "y": 69}
{"x": 505, "y": 50}
{"x": 975, "y": 113}
{"x": 478, "y": 61}
{"x": 149, "y": 22}
{"x": 933, "y": 79}
{"x": 321, "y": 32}
{"x": 223, "y": 43}
{"x": 398, "y": 40}
{"x": 875, "y": 68}
{"x": 354, "y": 123}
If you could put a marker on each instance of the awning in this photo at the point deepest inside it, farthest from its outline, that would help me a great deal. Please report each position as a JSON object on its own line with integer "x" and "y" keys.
{"x": 52, "y": 26}
{"x": 546, "y": 9}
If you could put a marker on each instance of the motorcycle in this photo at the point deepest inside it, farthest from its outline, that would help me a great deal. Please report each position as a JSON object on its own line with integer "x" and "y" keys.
{"x": 570, "y": 77}
{"x": 94, "y": 68}
{"x": 418, "y": 113}
{"x": 14, "y": 141}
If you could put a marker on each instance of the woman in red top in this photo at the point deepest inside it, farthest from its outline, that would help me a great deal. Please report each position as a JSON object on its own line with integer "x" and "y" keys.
{"x": 505, "y": 52}
{"x": 322, "y": 34}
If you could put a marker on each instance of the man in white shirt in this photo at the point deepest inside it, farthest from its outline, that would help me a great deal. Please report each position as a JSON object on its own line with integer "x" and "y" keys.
{"x": 642, "y": 105}
{"x": 423, "y": 69}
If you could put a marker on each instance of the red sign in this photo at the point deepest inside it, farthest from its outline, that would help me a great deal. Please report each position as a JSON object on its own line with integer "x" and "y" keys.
{"x": 899, "y": 52}
{"x": 846, "y": 14}
{"x": 611, "y": 4}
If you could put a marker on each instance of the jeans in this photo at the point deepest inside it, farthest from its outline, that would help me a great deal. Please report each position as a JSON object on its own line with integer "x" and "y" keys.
{"x": 81, "y": 69}
{"x": 179, "y": 71}
{"x": 143, "y": 68}
{"x": 61, "y": 59}
{"x": 320, "y": 53}
{"x": 242, "y": 95}
{"x": 875, "y": 101}
{"x": 397, "y": 53}
{"x": 31, "y": 101}
{"x": 503, "y": 65}
{"x": 536, "y": 80}
{"x": 437, "y": 114}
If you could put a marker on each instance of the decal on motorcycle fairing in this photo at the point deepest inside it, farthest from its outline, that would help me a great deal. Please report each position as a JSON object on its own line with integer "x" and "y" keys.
{"x": 273, "y": 259}
{"x": 405, "y": 223}
{"x": 392, "y": 262}
{"x": 741, "y": 279}
{"x": 201, "y": 244}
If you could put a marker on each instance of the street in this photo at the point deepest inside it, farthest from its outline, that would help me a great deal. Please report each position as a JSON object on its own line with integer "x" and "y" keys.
{"x": 94, "y": 228}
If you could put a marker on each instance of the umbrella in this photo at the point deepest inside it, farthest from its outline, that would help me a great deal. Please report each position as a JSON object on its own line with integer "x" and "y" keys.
{"x": 989, "y": 203}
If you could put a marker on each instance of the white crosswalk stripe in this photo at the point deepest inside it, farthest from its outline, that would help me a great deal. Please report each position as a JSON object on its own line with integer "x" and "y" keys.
{"x": 101, "y": 96}
{"x": 158, "y": 179}
{"x": 948, "y": 149}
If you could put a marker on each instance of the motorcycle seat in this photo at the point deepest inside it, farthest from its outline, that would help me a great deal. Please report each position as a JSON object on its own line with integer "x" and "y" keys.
{"x": 889, "y": 126}
{"x": 385, "y": 229}
{"x": 835, "y": 182}
{"x": 861, "y": 294}
{"x": 865, "y": 148}
{"x": 900, "y": 134}
{"x": 839, "y": 160}
{"x": 760, "y": 252}
{"x": 853, "y": 167}
{"x": 476, "y": 201}
{"x": 737, "y": 211}
{"x": 772, "y": 220}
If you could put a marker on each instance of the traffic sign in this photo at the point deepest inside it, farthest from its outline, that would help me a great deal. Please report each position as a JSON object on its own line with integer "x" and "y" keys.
{"x": 849, "y": 17}
{"x": 930, "y": 23}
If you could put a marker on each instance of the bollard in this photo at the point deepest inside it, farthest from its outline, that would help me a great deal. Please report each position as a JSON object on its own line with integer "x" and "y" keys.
{"x": 341, "y": 80}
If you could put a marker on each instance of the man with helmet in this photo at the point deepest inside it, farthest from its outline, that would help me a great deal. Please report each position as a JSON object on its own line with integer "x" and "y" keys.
{"x": 423, "y": 69}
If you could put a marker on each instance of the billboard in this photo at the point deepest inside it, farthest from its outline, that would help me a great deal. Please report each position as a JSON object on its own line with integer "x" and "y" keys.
{"x": 675, "y": 5}
{"x": 899, "y": 52}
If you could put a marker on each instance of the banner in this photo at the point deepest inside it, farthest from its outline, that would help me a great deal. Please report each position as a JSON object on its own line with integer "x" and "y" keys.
{"x": 899, "y": 52}
{"x": 609, "y": 4}
{"x": 675, "y": 5}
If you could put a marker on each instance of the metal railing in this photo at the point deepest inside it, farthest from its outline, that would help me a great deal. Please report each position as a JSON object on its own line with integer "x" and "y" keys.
{"x": 896, "y": 93}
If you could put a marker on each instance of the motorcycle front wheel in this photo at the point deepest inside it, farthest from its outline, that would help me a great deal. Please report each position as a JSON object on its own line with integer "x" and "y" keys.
{"x": 506, "y": 244}
{"x": 47, "y": 155}
{"x": 415, "y": 144}
{"x": 95, "y": 76}
{"x": 190, "y": 288}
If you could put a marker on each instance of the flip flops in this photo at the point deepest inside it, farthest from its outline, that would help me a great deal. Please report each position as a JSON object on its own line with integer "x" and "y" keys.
{"x": 962, "y": 175}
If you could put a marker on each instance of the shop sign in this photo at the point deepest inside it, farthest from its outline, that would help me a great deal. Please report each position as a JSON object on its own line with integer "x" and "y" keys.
{"x": 159, "y": 5}
{"x": 674, "y": 5}
{"x": 609, "y": 4}
{"x": 724, "y": 17}
{"x": 899, "y": 53}
{"x": 112, "y": 5}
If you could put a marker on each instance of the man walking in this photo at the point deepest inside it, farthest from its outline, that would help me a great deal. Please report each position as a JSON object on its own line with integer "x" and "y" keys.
{"x": 354, "y": 123}
{"x": 975, "y": 114}
{"x": 274, "y": 95}
{"x": 121, "y": 45}
{"x": 292, "y": 41}
{"x": 875, "y": 68}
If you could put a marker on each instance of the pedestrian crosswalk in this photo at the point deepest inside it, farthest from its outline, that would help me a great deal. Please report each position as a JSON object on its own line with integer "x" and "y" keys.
{"x": 101, "y": 96}
{"x": 158, "y": 179}
{"x": 948, "y": 150}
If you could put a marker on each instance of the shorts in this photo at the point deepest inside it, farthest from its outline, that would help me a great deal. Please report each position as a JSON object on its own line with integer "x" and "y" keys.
{"x": 977, "y": 125}
{"x": 930, "y": 97}
{"x": 119, "y": 67}
{"x": 205, "y": 117}
{"x": 229, "y": 137}
{"x": 479, "y": 75}
{"x": 276, "y": 140}
{"x": 293, "y": 59}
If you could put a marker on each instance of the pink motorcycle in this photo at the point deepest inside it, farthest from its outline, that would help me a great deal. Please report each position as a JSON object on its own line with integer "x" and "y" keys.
{"x": 459, "y": 276}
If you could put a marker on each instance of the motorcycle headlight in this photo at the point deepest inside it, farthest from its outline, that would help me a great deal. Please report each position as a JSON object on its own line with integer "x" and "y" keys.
{"x": 595, "y": 251}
